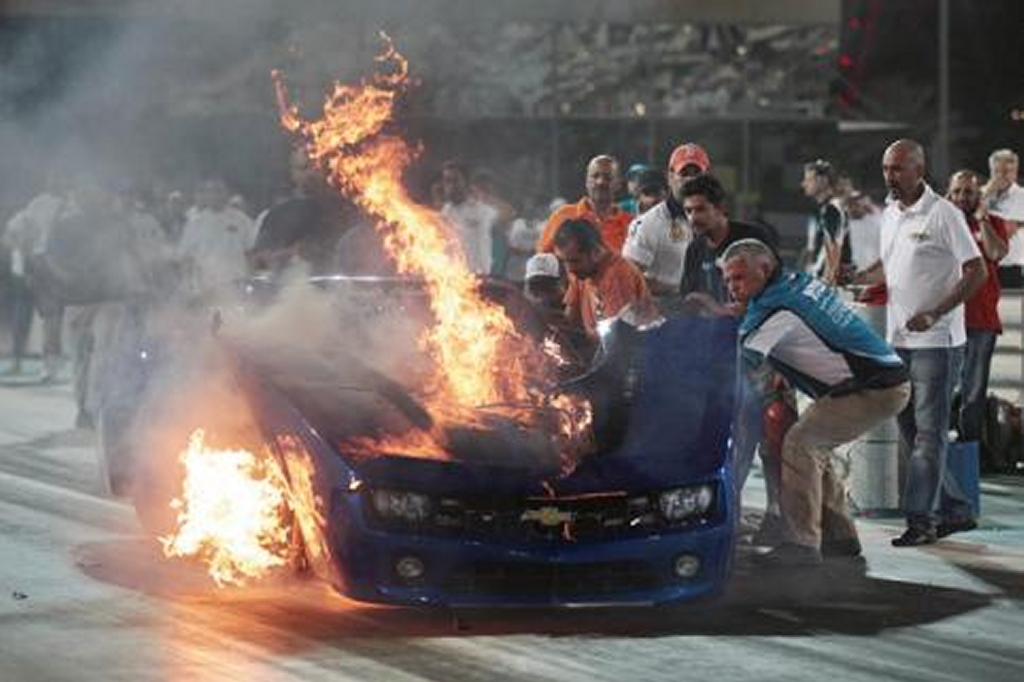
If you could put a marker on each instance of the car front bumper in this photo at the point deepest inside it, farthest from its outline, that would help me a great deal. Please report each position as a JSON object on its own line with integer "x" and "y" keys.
{"x": 464, "y": 572}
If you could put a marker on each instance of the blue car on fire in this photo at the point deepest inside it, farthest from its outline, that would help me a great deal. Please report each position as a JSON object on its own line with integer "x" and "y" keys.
{"x": 648, "y": 517}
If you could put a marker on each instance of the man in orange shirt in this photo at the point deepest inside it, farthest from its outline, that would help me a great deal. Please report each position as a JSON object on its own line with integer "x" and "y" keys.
{"x": 602, "y": 283}
{"x": 598, "y": 207}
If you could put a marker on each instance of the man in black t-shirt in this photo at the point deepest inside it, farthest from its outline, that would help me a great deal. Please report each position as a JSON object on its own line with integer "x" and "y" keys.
{"x": 703, "y": 289}
{"x": 305, "y": 227}
{"x": 704, "y": 204}
{"x": 828, "y": 253}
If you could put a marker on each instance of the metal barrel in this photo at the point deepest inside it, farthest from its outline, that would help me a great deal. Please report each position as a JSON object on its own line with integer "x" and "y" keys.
{"x": 874, "y": 457}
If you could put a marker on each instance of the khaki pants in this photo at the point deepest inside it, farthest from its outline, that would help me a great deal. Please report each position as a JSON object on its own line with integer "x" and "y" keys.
{"x": 811, "y": 487}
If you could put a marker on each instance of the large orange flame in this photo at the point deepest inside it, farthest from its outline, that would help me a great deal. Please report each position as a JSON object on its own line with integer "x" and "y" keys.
{"x": 306, "y": 505}
{"x": 480, "y": 358}
{"x": 232, "y": 513}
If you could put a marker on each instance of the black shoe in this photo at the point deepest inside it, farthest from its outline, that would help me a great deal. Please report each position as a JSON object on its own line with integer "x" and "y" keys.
{"x": 914, "y": 537}
{"x": 83, "y": 420}
{"x": 949, "y": 527}
{"x": 789, "y": 555}
{"x": 844, "y": 547}
{"x": 769, "y": 534}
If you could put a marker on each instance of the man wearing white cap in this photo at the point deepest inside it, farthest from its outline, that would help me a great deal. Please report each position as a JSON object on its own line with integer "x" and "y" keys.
{"x": 543, "y": 285}
{"x": 656, "y": 241}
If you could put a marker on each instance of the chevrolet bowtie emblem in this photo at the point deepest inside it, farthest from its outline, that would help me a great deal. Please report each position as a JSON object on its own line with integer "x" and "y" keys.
{"x": 547, "y": 516}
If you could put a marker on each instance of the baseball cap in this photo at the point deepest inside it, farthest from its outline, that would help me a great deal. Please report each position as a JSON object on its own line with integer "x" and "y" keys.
{"x": 689, "y": 155}
{"x": 651, "y": 180}
{"x": 636, "y": 170}
{"x": 542, "y": 265}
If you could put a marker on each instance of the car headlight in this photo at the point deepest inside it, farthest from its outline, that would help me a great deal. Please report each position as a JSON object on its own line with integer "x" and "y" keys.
{"x": 402, "y": 506}
{"x": 679, "y": 504}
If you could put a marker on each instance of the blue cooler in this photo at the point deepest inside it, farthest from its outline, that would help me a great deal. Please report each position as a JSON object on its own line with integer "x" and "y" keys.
{"x": 962, "y": 465}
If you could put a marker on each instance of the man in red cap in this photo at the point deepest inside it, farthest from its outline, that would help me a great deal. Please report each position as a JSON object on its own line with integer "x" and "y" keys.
{"x": 688, "y": 160}
{"x": 598, "y": 207}
{"x": 657, "y": 240}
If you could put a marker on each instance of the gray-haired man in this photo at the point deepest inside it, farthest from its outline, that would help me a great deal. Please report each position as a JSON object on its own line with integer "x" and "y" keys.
{"x": 798, "y": 326}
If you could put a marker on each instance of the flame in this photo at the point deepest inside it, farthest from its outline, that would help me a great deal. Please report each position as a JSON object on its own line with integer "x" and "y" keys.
{"x": 232, "y": 513}
{"x": 575, "y": 418}
{"x": 553, "y": 350}
{"x": 478, "y": 352}
{"x": 478, "y": 358}
{"x": 411, "y": 444}
{"x": 306, "y": 505}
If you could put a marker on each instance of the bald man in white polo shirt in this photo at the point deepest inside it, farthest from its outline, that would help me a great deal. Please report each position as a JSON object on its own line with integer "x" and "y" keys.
{"x": 931, "y": 265}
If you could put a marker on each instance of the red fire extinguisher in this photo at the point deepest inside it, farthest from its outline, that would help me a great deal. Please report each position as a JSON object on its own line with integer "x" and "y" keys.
{"x": 779, "y": 414}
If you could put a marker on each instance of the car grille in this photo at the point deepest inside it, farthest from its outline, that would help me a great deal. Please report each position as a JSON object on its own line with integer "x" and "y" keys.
{"x": 543, "y": 520}
{"x": 531, "y": 579}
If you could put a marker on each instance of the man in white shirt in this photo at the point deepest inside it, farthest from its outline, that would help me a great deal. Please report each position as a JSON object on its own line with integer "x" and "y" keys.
{"x": 656, "y": 241}
{"x": 522, "y": 244}
{"x": 864, "y": 229}
{"x": 215, "y": 241}
{"x": 1004, "y": 198}
{"x": 472, "y": 220}
{"x": 931, "y": 265}
{"x": 26, "y": 236}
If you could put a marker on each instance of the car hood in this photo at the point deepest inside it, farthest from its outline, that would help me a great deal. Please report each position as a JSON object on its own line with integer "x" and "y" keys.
{"x": 676, "y": 428}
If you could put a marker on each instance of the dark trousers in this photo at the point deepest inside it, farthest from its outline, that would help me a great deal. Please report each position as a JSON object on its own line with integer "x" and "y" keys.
{"x": 51, "y": 311}
{"x": 22, "y": 311}
{"x": 1010, "y": 276}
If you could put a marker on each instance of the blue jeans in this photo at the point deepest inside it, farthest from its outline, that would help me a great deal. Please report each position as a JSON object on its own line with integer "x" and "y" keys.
{"x": 974, "y": 383}
{"x": 924, "y": 427}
